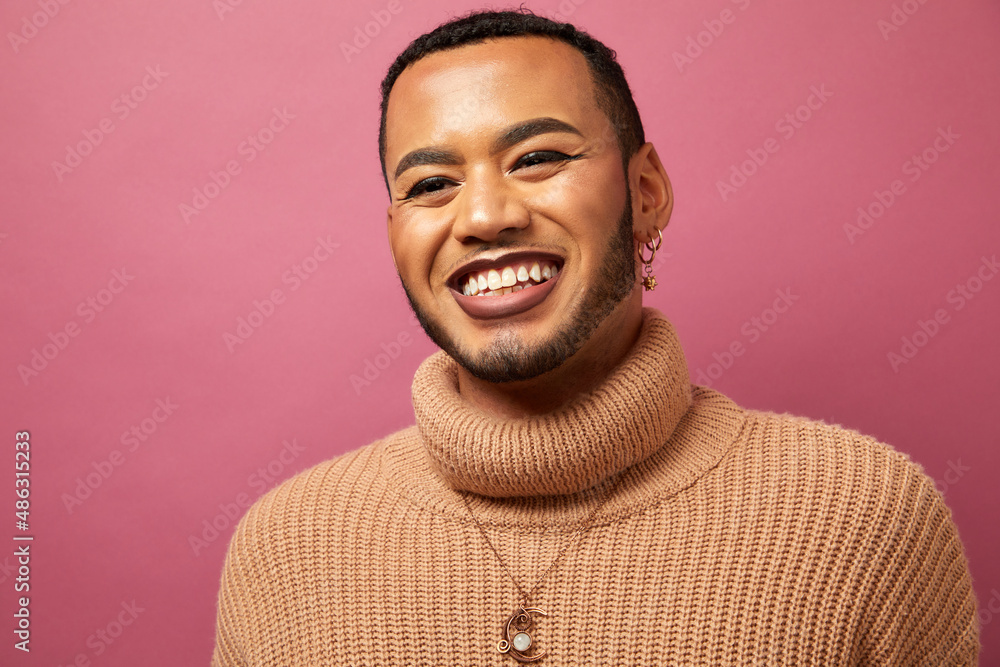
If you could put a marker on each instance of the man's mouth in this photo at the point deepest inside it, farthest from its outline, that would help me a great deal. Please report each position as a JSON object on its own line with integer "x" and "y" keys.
{"x": 506, "y": 285}
{"x": 508, "y": 279}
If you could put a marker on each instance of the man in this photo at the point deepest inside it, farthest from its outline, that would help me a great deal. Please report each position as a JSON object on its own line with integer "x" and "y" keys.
{"x": 566, "y": 495}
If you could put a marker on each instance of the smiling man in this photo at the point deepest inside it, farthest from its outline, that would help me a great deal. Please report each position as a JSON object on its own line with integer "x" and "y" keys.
{"x": 566, "y": 495}
{"x": 511, "y": 220}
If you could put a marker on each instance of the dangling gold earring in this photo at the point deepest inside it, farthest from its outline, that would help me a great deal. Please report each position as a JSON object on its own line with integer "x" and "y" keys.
{"x": 648, "y": 280}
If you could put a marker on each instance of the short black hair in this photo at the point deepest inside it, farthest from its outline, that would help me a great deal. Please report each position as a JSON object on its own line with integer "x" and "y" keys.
{"x": 614, "y": 97}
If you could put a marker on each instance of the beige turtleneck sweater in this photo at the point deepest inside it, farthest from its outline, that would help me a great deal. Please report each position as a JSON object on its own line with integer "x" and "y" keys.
{"x": 732, "y": 537}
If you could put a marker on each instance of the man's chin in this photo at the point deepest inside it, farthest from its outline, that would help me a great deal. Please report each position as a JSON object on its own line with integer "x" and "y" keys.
{"x": 496, "y": 350}
{"x": 510, "y": 359}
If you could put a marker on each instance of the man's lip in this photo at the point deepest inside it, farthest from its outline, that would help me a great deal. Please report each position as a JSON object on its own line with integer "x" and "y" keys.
{"x": 493, "y": 307}
{"x": 500, "y": 261}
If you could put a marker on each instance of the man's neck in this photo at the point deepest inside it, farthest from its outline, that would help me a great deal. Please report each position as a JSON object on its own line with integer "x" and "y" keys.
{"x": 581, "y": 373}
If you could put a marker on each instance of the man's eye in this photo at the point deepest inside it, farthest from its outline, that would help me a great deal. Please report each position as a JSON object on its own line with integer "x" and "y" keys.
{"x": 426, "y": 186}
{"x": 539, "y": 157}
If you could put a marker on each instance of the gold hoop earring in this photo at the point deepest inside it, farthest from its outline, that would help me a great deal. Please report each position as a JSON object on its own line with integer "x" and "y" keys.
{"x": 649, "y": 280}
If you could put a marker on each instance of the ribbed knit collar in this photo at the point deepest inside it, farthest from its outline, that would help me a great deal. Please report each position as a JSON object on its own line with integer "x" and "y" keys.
{"x": 621, "y": 423}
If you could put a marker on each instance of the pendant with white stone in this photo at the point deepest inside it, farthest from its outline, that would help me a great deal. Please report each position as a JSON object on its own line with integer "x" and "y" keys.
{"x": 517, "y": 635}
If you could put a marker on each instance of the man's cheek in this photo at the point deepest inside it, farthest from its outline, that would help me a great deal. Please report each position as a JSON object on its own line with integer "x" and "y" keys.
{"x": 553, "y": 194}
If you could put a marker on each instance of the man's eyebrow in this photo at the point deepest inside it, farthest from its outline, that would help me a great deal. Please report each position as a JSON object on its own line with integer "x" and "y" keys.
{"x": 510, "y": 137}
{"x": 423, "y": 156}
{"x": 515, "y": 134}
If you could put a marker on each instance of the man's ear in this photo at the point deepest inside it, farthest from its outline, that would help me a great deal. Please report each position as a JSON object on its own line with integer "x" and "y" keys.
{"x": 652, "y": 194}
{"x": 388, "y": 229}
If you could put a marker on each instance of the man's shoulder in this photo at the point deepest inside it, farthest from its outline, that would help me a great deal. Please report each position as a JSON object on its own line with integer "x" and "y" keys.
{"x": 813, "y": 436}
{"x": 832, "y": 455}
{"x": 873, "y": 518}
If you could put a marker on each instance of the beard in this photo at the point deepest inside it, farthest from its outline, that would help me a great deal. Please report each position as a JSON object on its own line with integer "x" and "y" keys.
{"x": 509, "y": 358}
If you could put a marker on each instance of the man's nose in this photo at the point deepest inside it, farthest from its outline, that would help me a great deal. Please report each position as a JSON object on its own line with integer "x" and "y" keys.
{"x": 487, "y": 208}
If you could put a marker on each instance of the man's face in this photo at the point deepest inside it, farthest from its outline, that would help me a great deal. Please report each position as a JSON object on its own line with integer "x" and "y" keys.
{"x": 510, "y": 222}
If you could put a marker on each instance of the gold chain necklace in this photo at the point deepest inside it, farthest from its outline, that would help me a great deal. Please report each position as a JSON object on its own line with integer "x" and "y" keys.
{"x": 516, "y": 640}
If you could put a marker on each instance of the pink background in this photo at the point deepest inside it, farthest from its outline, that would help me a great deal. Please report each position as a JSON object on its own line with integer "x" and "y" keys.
{"x": 162, "y": 334}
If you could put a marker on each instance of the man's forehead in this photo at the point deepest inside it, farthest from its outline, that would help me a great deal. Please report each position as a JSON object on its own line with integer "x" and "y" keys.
{"x": 488, "y": 85}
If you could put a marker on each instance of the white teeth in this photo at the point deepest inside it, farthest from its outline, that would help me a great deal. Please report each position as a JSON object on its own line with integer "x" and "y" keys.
{"x": 535, "y": 273}
{"x": 509, "y": 278}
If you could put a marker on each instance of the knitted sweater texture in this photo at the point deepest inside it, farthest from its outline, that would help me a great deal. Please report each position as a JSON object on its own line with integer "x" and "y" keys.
{"x": 729, "y": 537}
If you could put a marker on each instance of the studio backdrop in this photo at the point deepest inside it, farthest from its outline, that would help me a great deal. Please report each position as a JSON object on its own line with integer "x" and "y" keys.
{"x": 199, "y": 300}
